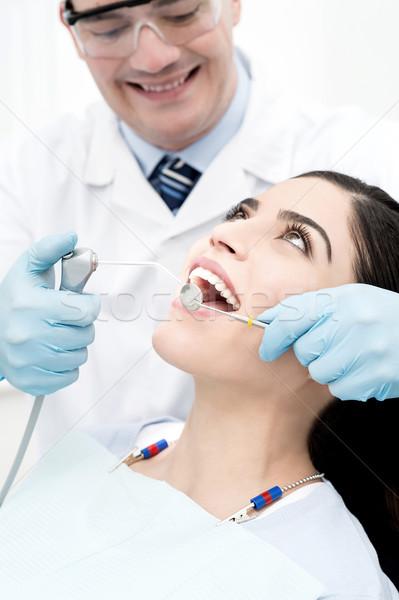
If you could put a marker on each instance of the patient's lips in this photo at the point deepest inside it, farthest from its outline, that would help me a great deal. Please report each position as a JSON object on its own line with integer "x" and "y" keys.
{"x": 214, "y": 283}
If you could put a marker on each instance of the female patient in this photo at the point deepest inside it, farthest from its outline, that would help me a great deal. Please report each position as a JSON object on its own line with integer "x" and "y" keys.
{"x": 257, "y": 425}
{"x": 254, "y": 424}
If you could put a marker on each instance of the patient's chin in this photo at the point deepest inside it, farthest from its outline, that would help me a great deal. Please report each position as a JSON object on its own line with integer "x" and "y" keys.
{"x": 175, "y": 346}
{"x": 166, "y": 344}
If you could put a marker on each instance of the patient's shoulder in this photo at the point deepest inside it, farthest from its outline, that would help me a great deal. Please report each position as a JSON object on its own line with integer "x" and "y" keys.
{"x": 322, "y": 536}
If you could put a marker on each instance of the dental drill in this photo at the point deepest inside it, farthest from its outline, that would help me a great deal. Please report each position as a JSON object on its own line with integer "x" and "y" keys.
{"x": 76, "y": 269}
{"x": 192, "y": 299}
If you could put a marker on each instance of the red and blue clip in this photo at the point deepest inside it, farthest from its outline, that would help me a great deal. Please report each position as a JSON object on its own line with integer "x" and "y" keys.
{"x": 256, "y": 503}
{"x": 240, "y": 516}
{"x": 136, "y": 454}
{"x": 267, "y": 497}
{"x": 264, "y": 499}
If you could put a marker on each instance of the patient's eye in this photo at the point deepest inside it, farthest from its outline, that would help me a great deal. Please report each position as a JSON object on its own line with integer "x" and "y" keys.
{"x": 298, "y": 235}
{"x": 236, "y": 213}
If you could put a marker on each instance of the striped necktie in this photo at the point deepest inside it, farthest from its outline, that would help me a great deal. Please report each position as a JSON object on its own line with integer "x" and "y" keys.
{"x": 173, "y": 179}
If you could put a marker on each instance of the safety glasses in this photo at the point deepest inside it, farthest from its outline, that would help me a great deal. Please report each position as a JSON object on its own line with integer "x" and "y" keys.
{"x": 112, "y": 31}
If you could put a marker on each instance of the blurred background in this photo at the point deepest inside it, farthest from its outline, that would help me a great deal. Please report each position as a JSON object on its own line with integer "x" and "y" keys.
{"x": 334, "y": 51}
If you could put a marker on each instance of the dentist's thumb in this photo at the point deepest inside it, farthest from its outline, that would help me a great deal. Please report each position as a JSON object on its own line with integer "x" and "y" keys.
{"x": 46, "y": 252}
{"x": 273, "y": 344}
{"x": 287, "y": 321}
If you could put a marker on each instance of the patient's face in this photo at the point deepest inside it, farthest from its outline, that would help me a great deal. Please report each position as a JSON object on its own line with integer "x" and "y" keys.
{"x": 291, "y": 239}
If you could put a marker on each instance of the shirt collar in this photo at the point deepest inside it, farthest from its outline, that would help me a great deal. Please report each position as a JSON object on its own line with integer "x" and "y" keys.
{"x": 202, "y": 152}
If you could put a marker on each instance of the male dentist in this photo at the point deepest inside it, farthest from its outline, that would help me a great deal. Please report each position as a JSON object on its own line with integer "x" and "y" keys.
{"x": 187, "y": 127}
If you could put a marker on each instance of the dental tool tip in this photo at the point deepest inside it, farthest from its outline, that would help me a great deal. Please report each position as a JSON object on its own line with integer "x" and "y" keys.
{"x": 115, "y": 466}
{"x": 139, "y": 263}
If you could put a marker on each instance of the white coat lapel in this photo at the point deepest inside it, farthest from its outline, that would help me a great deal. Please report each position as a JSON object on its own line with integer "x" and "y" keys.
{"x": 213, "y": 194}
{"x": 132, "y": 191}
{"x": 111, "y": 165}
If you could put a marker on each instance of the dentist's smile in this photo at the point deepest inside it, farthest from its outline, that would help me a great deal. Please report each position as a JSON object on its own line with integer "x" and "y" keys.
{"x": 166, "y": 90}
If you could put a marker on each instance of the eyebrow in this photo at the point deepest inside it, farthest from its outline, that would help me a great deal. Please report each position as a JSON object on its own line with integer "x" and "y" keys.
{"x": 289, "y": 215}
{"x": 250, "y": 202}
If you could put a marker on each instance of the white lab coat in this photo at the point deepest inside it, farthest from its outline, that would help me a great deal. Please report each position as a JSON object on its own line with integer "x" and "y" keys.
{"x": 79, "y": 174}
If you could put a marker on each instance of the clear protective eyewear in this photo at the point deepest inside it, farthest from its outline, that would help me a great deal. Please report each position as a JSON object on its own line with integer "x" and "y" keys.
{"x": 112, "y": 30}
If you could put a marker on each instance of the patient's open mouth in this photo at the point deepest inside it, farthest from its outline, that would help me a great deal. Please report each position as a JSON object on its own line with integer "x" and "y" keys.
{"x": 215, "y": 291}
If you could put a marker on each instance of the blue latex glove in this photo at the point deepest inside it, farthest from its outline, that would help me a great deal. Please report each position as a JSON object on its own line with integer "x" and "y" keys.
{"x": 347, "y": 336}
{"x": 44, "y": 333}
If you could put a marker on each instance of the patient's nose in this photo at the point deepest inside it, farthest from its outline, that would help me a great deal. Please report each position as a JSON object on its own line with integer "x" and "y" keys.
{"x": 228, "y": 237}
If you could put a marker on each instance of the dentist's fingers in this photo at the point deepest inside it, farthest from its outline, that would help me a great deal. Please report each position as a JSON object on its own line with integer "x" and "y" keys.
{"x": 289, "y": 320}
{"x": 46, "y": 252}
{"x": 66, "y": 360}
{"x": 58, "y": 306}
{"x": 73, "y": 338}
{"x": 343, "y": 389}
{"x": 44, "y": 333}
{"x": 69, "y": 308}
{"x": 309, "y": 346}
{"x": 347, "y": 336}
{"x": 44, "y": 382}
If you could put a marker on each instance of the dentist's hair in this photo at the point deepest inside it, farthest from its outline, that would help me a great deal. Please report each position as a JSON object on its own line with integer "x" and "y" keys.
{"x": 355, "y": 443}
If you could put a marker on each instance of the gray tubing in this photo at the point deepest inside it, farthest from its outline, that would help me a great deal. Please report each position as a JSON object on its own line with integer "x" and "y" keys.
{"x": 34, "y": 415}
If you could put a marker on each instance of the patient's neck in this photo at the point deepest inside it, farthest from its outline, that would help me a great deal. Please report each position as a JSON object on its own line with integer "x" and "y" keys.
{"x": 235, "y": 445}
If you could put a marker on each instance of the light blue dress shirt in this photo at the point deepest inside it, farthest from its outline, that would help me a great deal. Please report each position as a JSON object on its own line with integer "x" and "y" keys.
{"x": 201, "y": 153}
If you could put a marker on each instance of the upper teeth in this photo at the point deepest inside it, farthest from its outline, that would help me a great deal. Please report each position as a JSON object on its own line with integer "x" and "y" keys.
{"x": 164, "y": 88}
{"x": 218, "y": 283}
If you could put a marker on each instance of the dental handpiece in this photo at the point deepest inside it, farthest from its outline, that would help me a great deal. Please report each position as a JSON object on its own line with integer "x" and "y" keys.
{"x": 192, "y": 299}
{"x": 76, "y": 268}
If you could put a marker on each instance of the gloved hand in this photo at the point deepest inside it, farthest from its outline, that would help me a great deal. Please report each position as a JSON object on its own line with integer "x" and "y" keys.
{"x": 44, "y": 333}
{"x": 347, "y": 336}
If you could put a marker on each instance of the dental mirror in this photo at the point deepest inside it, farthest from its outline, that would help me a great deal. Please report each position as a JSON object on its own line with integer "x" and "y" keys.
{"x": 191, "y": 296}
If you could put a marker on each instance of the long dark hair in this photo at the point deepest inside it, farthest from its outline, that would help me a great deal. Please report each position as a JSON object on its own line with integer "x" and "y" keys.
{"x": 356, "y": 443}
